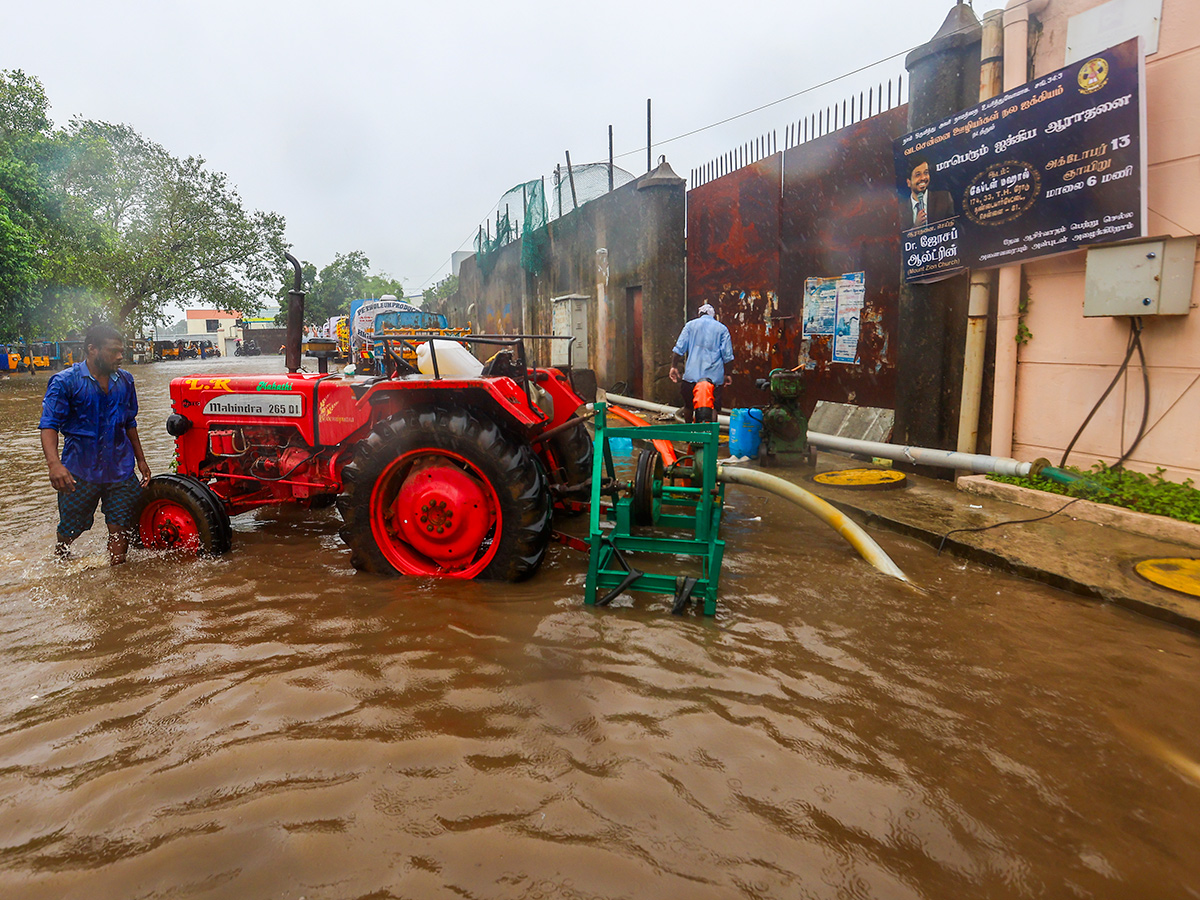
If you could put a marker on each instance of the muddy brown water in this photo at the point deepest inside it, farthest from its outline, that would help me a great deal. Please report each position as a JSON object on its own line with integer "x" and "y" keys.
{"x": 272, "y": 724}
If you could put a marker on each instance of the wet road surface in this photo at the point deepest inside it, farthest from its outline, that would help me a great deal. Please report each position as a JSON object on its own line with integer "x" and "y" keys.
{"x": 273, "y": 724}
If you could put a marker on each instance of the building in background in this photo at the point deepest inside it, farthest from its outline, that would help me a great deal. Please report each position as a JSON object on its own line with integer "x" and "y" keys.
{"x": 1045, "y": 359}
{"x": 796, "y": 243}
{"x": 217, "y": 325}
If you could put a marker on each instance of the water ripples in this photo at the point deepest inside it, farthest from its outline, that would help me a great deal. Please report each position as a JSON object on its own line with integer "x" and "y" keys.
{"x": 273, "y": 723}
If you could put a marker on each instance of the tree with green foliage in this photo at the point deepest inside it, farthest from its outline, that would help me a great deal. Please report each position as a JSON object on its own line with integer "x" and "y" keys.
{"x": 436, "y": 296}
{"x": 375, "y": 286}
{"x": 97, "y": 220}
{"x": 335, "y": 286}
{"x": 24, "y": 107}
{"x": 61, "y": 291}
{"x": 329, "y": 292}
{"x": 178, "y": 232}
{"x": 18, "y": 271}
{"x": 25, "y": 213}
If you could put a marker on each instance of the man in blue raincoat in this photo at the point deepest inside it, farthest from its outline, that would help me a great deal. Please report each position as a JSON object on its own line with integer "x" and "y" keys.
{"x": 94, "y": 405}
{"x": 708, "y": 347}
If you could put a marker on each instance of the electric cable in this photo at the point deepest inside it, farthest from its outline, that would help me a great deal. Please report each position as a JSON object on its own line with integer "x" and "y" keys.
{"x": 443, "y": 263}
{"x": 963, "y": 30}
{"x": 751, "y": 112}
{"x": 1108, "y": 390}
{"x": 1184, "y": 228}
{"x": 1135, "y": 343}
{"x": 1145, "y": 398}
{"x": 1175, "y": 403}
{"x": 1002, "y": 524}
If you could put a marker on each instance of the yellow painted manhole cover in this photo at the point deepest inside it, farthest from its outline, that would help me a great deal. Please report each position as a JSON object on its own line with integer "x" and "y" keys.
{"x": 1177, "y": 573}
{"x": 861, "y": 478}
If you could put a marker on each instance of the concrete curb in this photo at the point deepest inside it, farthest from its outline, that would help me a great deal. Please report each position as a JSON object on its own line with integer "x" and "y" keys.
{"x": 1181, "y": 611}
{"x": 964, "y": 550}
{"x": 1160, "y": 528}
{"x": 1087, "y": 558}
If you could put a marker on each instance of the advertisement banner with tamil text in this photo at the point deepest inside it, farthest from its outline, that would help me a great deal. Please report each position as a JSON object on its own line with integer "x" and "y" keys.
{"x": 1053, "y": 165}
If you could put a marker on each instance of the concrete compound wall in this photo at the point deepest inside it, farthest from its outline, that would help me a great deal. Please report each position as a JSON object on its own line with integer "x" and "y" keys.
{"x": 619, "y": 247}
{"x": 1070, "y": 360}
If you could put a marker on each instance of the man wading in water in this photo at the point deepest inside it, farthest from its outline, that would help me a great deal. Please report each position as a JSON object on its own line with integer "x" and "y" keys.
{"x": 94, "y": 405}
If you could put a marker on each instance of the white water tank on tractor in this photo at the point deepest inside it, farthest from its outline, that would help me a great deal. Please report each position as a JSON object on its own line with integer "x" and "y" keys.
{"x": 453, "y": 359}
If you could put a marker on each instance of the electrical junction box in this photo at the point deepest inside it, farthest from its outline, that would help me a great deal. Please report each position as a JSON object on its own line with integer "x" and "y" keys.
{"x": 1142, "y": 277}
{"x": 569, "y": 318}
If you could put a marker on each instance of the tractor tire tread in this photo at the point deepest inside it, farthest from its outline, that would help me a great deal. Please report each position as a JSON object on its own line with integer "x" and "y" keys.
{"x": 517, "y": 479}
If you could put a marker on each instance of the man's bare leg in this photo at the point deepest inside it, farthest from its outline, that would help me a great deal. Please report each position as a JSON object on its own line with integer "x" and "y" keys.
{"x": 118, "y": 544}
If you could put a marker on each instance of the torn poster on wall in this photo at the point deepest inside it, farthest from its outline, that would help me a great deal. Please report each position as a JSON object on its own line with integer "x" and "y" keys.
{"x": 820, "y": 305}
{"x": 851, "y": 291}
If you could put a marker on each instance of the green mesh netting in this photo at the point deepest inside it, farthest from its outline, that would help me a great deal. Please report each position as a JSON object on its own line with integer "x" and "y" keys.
{"x": 536, "y": 237}
{"x": 486, "y": 244}
{"x": 527, "y": 204}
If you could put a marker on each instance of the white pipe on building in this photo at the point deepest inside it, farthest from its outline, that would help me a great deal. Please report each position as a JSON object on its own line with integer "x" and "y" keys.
{"x": 1004, "y": 396}
{"x": 923, "y": 456}
{"x": 973, "y": 359}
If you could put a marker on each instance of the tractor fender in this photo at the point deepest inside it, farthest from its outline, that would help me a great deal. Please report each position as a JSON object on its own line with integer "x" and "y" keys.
{"x": 501, "y": 399}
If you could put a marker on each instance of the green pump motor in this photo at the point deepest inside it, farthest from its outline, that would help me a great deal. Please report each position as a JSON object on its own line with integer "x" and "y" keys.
{"x": 785, "y": 429}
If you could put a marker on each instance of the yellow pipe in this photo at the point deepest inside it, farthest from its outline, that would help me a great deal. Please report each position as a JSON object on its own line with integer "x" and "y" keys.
{"x": 990, "y": 78}
{"x": 838, "y": 521}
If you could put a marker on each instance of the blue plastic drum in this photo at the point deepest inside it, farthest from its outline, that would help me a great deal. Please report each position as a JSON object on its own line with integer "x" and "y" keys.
{"x": 745, "y": 432}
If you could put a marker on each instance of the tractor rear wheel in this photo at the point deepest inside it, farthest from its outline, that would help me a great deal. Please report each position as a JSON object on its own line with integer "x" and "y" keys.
{"x": 441, "y": 491}
{"x": 569, "y": 459}
{"x": 181, "y": 514}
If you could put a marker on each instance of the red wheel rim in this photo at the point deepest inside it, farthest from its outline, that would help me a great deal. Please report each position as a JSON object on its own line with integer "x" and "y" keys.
{"x": 433, "y": 512}
{"x": 165, "y": 525}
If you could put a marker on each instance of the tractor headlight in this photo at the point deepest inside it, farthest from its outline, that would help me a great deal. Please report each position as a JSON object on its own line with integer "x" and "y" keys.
{"x": 178, "y": 425}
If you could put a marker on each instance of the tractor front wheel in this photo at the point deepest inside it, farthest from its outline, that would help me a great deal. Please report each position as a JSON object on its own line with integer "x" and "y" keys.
{"x": 181, "y": 514}
{"x": 444, "y": 492}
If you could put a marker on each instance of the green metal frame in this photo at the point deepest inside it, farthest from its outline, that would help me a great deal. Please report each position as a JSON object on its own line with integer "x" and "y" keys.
{"x": 695, "y": 507}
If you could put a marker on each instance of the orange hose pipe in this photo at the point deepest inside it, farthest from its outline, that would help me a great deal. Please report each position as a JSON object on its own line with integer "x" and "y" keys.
{"x": 665, "y": 448}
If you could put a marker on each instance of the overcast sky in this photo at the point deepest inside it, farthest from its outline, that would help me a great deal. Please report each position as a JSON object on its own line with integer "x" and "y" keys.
{"x": 393, "y": 128}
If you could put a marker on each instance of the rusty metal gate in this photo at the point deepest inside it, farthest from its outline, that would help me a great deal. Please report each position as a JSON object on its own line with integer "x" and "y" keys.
{"x": 820, "y": 209}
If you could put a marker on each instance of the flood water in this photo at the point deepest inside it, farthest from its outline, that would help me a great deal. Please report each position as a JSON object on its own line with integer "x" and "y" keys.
{"x": 273, "y": 724}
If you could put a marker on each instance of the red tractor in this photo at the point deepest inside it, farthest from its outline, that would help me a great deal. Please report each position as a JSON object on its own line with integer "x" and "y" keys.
{"x": 435, "y": 475}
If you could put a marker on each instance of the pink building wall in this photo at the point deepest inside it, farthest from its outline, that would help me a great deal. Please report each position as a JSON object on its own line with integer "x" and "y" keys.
{"x": 1069, "y": 361}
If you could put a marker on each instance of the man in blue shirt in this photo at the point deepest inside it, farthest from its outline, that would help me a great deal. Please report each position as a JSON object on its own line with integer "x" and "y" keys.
{"x": 94, "y": 405}
{"x": 707, "y": 345}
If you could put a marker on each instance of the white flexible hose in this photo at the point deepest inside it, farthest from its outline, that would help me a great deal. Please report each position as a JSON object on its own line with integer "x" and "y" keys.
{"x": 838, "y": 521}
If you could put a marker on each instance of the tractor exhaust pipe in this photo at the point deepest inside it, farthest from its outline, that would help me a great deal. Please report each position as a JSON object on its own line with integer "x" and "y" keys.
{"x": 295, "y": 319}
